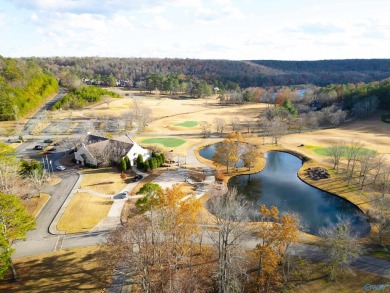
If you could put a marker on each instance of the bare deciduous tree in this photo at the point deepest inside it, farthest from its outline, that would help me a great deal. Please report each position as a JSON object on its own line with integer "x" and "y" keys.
{"x": 144, "y": 117}
{"x": 229, "y": 214}
{"x": 277, "y": 129}
{"x": 38, "y": 179}
{"x": 335, "y": 152}
{"x": 367, "y": 163}
{"x": 251, "y": 153}
{"x": 379, "y": 216}
{"x": 220, "y": 124}
{"x": 235, "y": 123}
{"x": 128, "y": 251}
{"x": 342, "y": 247}
{"x": 352, "y": 151}
{"x": 205, "y": 127}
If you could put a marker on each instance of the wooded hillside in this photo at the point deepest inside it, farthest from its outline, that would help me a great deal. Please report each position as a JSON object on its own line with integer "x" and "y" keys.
{"x": 23, "y": 86}
{"x": 245, "y": 73}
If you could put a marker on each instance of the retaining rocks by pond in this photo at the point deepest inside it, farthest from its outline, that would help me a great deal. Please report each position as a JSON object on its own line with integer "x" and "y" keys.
{"x": 317, "y": 173}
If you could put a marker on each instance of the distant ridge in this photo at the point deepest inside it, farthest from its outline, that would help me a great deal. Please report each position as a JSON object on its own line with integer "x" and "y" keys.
{"x": 246, "y": 72}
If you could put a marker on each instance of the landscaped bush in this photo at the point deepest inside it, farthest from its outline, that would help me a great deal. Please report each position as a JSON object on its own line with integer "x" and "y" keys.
{"x": 157, "y": 160}
{"x": 127, "y": 160}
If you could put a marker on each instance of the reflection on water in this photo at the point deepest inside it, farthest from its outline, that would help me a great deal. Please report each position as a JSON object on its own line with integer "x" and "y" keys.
{"x": 209, "y": 151}
{"x": 279, "y": 185}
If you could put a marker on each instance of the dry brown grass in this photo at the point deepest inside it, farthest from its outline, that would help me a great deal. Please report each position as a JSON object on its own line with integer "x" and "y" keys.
{"x": 103, "y": 180}
{"x": 316, "y": 280}
{"x": 372, "y": 132}
{"x": 54, "y": 180}
{"x": 71, "y": 270}
{"x": 35, "y": 204}
{"x": 187, "y": 188}
{"x": 84, "y": 212}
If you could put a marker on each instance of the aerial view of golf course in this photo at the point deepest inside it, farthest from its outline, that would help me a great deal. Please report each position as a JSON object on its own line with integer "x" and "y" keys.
{"x": 194, "y": 146}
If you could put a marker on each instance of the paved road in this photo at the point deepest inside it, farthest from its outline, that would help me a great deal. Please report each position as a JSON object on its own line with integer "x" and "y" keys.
{"x": 29, "y": 126}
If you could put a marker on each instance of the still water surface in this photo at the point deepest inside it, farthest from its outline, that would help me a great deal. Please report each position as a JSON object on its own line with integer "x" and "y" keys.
{"x": 278, "y": 184}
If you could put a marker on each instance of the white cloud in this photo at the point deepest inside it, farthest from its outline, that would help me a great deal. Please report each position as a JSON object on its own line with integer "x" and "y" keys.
{"x": 159, "y": 23}
{"x": 316, "y": 29}
{"x": 103, "y": 7}
{"x": 233, "y": 12}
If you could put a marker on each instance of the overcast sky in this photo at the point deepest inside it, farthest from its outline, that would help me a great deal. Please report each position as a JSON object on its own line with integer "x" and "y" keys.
{"x": 208, "y": 29}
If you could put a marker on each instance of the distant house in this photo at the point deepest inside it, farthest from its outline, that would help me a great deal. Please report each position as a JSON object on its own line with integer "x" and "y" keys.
{"x": 98, "y": 150}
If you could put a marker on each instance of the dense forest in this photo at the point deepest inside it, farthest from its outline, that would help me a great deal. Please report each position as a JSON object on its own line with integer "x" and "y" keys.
{"x": 79, "y": 98}
{"x": 23, "y": 86}
{"x": 245, "y": 73}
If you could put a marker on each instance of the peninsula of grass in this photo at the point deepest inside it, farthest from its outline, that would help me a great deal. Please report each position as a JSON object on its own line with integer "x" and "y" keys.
{"x": 188, "y": 124}
{"x": 84, "y": 212}
{"x": 166, "y": 142}
{"x": 325, "y": 151}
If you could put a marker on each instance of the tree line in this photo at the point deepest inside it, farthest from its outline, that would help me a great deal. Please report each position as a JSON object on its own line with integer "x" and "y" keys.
{"x": 23, "y": 86}
{"x": 245, "y": 73}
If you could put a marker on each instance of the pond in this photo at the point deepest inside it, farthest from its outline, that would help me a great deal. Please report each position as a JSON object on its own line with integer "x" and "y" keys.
{"x": 208, "y": 152}
{"x": 278, "y": 184}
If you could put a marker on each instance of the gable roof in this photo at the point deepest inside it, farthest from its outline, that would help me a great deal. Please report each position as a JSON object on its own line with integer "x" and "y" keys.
{"x": 109, "y": 146}
{"x": 91, "y": 138}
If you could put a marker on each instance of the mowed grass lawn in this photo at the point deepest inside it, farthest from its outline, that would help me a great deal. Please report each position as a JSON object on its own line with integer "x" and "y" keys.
{"x": 84, "y": 212}
{"x": 166, "y": 142}
{"x": 71, "y": 270}
{"x": 103, "y": 180}
{"x": 188, "y": 124}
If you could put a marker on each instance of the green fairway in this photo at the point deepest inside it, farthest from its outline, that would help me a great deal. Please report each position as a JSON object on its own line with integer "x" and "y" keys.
{"x": 325, "y": 151}
{"x": 188, "y": 124}
{"x": 166, "y": 142}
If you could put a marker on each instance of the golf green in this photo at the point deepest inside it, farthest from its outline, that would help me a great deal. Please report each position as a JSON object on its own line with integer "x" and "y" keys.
{"x": 166, "y": 142}
{"x": 188, "y": 124}
{"x": 325, "y": 151}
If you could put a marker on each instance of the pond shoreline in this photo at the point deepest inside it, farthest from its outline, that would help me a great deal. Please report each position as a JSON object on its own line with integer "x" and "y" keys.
{"x": 305, "y": 162}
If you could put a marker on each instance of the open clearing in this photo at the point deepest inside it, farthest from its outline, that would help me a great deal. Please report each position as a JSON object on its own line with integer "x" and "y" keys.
{"x": 84, "y": 212}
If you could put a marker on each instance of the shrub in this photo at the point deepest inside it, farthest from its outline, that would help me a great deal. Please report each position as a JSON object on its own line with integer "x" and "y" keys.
{"x": 128, "y": 165}
{"x": 122, "y": 165}
{"x": 140, "y": 162}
